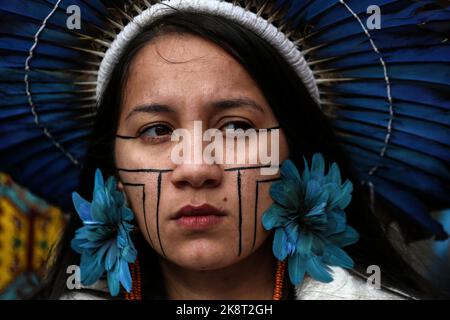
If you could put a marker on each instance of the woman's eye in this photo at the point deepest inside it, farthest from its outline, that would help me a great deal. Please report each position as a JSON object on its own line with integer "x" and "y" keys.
{"x": 156, "y": 131}
{"x": 234, "y": 125}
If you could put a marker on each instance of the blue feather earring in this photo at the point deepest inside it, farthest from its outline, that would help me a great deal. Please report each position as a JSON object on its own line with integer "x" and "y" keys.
{"x": 309, "y": 220}
{"x": 104, "y": 241}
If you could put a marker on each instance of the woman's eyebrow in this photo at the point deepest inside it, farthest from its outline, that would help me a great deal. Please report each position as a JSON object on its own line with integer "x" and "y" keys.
{"x": 236, "y": 103}
{"x": 151, "y": 108}
{"x": 221, "y": 104}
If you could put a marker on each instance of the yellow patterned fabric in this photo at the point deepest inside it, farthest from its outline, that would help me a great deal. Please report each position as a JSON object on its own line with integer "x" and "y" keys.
{"x": 29, "y": 228}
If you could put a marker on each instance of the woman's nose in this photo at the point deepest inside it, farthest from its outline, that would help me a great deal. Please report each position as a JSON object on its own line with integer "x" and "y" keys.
{"x": 197, "y": 175}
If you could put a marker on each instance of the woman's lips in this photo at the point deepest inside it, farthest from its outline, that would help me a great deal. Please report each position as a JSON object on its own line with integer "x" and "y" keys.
{"x": 198, "y": 217}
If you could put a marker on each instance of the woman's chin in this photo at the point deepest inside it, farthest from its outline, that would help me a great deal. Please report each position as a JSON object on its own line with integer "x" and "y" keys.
{"x": 203, "y": 255}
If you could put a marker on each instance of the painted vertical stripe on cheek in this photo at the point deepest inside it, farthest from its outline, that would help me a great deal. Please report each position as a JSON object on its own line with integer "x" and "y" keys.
{"x": 157, "y": 212}
{"x": 240, "y": 211}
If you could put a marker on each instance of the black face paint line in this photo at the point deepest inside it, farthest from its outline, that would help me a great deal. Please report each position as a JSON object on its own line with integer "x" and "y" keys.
{"x": 157, "y": 212}
{"x": 239, "y": 186}
{"x": 248, "y": 168}
{"x": 256, "y": 206}
{"x": 143, "y": 207}
{"x": 240, "y": 212}
{"x": 158, "y": 198}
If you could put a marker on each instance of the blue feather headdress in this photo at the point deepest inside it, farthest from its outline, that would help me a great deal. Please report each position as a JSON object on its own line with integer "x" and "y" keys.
{"x": 385, "y": 90}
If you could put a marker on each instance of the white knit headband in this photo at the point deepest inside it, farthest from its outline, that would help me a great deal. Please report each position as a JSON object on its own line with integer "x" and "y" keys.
{"x": 246, "y": 18}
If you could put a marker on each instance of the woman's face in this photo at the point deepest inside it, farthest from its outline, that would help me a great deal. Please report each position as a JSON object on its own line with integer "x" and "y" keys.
{"x": 197, "y": 215}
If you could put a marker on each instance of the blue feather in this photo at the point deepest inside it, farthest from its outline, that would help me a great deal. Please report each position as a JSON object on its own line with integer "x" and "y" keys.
{"x": 402, "y": 139}
{"x": 400, "y": 21}
{"x": 340, "y": 13}
{"x": 27, "y": 29}
{"x": 13, "y": 60}
{"x": 22, "y": 46}
{"x": 410, "y": 109}
{"x": 409, "y": 206}
{"x": 430, "y": 186}
{"x": 438, "y": 73}
{"x": 296, "y": 269}
{"x": 26, "y": 144}
{"x": 318, "y": 270}
{"x": 429, "y": 130}
{"x": 414, "y": 159}
{"x": 424, "y": 93}
{"x": 35, "y": 10}
{"x": 437, "y": 53}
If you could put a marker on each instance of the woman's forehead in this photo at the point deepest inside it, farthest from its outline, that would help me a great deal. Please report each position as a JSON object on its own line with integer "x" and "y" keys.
{"x": 185, "y": 66}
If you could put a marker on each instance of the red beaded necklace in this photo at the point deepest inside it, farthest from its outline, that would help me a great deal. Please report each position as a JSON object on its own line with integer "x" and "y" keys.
{"x": 135, "y": 293}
